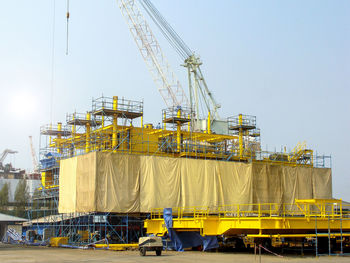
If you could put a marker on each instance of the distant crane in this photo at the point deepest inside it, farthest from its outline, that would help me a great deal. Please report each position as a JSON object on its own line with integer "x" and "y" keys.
{"x": 34, "y": 159}
{"x": 4, "y": 155}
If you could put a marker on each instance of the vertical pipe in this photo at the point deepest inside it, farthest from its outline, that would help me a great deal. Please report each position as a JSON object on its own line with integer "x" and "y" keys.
{"x": 254, "y": 251}
{"x": 164, "y": 123}
{"x": 341, "y": 235}
{"x": 73, "y": 126}
{"x": 115, "y": 123}
{"x": 190, "y": 87}
{"x": 259, "y": 253}
{"x": 316, "y": 235}
{"x": 88, "y": 130}
{"x": 59, "y": 128}
{"x": 209, "y": 124}
{"x": 189, "y": 123}
{"x": 50, "y": 139}
{"x": 178, "y": 137}
{"x": 329, "y": 237}
{"x": 240, "y": 124}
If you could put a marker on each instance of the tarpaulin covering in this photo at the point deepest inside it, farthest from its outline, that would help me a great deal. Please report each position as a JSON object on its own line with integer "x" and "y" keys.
{"x": 112, "y": 182}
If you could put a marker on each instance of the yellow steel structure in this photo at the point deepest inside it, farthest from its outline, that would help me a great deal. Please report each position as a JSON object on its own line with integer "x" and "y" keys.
{"x": 110, "y": 127}
{"x": 304, "y": 218}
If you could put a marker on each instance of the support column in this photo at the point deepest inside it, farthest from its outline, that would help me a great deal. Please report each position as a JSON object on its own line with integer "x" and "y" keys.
{"x": 240, "y": 134}
{"x": 115, "y": 123}
{"x": 178, "y": 133}
{"x": 59, "y": 136}
{"x": 71, "y": 151}
{"x": 209, "y": 124}
{"x": 88, "y": 131}
{"x": 164, "y": 124}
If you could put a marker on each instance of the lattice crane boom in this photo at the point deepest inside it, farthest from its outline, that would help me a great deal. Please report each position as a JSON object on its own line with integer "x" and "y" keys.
{"x": 34, "y": 159}
{"x": 168, "y": 84}
{"x": 4, "y": 155}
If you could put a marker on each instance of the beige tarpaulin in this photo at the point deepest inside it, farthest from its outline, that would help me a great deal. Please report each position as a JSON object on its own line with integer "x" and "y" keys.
{"x": 117, "y": 183}
{"x": 160, "y": 182}
{"x": 110, "y": 182}
{"x": 68, "y": 188}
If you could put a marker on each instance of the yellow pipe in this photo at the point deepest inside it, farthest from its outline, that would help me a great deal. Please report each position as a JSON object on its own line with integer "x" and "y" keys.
{"x": 178, "y": 140}
{"x": 189, "y": 123}
{"x": 73, "y": 126}
{"x": 240, "y": 133}
{"x": 50, "y": 140}
{"x": 164, "y": 117}
{"x": 115, "y": 123}
{"x": 59, "y": 128}
{"x": 209, "y": 124}
{"x": 103, "y": 117}
{"x": 87, "y": 143}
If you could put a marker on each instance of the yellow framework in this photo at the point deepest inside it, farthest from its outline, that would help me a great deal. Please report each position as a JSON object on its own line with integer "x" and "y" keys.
{"x": 116, "y": 125}
{"x": 304, "y": 218}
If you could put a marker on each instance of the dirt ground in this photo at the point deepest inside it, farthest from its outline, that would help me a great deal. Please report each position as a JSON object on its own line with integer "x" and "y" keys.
{"x": 10, "y": 253}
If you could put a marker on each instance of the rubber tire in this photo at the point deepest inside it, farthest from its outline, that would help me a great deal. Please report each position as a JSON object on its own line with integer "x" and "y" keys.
{"x": 142, "y": 252}
{"x": 158, "y": 252}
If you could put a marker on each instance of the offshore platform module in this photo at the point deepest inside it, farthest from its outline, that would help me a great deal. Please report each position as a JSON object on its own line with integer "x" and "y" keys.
{"x": 108, "y": 163}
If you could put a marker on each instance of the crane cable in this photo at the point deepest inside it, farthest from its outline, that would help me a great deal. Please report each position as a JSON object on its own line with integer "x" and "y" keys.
{"x": 169, "y": 33}
{"x": 176, "y": 39}
{"x": 52, "y": 59}
{"x": 67, "y": 16}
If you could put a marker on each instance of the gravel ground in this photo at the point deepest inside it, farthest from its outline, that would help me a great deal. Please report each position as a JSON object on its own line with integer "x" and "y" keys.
{"x": 11, "y": 253}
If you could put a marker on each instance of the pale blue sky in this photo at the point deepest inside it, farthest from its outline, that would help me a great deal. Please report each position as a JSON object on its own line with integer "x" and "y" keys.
{"x": 287, "y": 62}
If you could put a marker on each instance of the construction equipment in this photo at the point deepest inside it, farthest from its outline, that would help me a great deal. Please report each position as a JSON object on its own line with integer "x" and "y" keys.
{"x": 150, "y": 244}
{"x": 303, "y": 218}
{"x": 34, "y": 159}
{"x": 170, "y": 88}
{"x": 4, "y": 155}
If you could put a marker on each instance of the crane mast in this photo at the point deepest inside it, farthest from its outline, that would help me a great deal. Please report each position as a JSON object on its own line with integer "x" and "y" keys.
{"x": 34, "y": 159}
{"x": 168, "y": 85}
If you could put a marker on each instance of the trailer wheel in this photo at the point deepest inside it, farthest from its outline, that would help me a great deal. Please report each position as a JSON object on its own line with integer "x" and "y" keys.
{"x": 159, "y": 252}
{"x": 142, "y": 251}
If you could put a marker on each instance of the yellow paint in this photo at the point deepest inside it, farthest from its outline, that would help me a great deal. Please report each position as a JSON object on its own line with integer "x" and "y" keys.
{"x": 164, "y": 123}
{"x": 178, "y": 132}
{"x": 88, "y": 132}
{"x": 146, "y": 140}
{"x": 115, "y": 124}
{"x": 240, "y": 134}
{"x": 264, "y": 220}
{"x": 209, "y": 124}
{"x": 58, "y": 146}
{"x": 117, "y": 247}
{"x": 57, "y": 241}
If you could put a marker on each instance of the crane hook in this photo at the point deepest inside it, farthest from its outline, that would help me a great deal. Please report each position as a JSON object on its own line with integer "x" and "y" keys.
{"x": 67, "y": 16}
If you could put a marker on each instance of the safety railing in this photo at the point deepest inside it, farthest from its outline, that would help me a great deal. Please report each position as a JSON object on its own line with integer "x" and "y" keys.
{"x": 241, "y": 122}
{"x": 319, "y": 208}
{"x": 121, "y": 104}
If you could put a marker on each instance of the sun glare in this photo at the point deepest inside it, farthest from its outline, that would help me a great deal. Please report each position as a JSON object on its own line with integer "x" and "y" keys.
{"x": 23, "y": 105}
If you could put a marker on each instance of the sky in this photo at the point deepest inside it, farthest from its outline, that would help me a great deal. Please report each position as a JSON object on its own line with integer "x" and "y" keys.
{"x": 286, "y": 62}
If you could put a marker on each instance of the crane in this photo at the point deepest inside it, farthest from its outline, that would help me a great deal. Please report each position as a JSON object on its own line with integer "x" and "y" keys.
{"x": 34, "y": 159}
{"x": 169, "y": 86}
{"x": 4, "y": 155}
